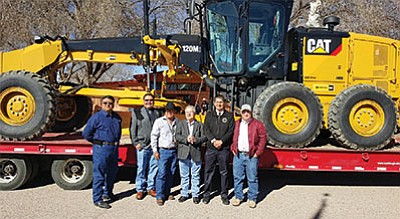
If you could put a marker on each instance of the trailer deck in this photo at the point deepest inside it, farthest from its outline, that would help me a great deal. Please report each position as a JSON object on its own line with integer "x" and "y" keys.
{"x": 322, "y": 156}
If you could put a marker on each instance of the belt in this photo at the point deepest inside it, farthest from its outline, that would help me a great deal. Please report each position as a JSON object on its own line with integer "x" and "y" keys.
{"x": 243, "y": 152}
{"x": 168, "y": 148}
{"x": 102, "y": 143}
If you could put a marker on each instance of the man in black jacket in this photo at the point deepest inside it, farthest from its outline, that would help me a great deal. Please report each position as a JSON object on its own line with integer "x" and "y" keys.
{"x": 218, "y": 128}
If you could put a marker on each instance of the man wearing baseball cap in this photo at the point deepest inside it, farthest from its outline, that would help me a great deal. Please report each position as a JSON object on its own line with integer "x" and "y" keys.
{"x": 249, "y": 141}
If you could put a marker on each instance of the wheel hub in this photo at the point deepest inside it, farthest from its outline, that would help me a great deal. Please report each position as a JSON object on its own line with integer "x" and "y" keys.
{"x": 290, "y": 115}
{"x": 73, "y": 171}
{"x": 367, "y": 118}
{"x": 66, "y": 108}
{"x": 17, "y": 106}
{"x": 8, "y": 171}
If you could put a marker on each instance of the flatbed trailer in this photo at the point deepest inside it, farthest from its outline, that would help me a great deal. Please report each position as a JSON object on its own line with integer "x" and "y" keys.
{"x": 68, "y": 156}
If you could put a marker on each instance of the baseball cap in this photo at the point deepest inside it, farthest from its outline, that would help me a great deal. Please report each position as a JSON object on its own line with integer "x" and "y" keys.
{"x": 245, "y": 107}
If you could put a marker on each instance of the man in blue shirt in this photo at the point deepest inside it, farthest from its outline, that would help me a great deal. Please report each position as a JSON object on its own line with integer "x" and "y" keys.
{"x": 104, "y": 131}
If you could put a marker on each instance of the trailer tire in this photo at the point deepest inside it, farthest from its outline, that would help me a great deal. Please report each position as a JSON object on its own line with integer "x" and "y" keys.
{"x": 72, "y": 173}
{"x": 27, "y": 105}
{"x": 363, "y": 117}
{"x": 14, "y": 173}
{"x": 292, "y": 114}
{"x": 72, "y": 113}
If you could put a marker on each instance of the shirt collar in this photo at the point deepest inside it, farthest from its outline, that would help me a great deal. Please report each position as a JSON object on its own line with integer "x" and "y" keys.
{"x": 105, "y": 113}
{"x": 246, "y": 122}
{"x": 219, "y": 112}
{"x": 166, "y": 119}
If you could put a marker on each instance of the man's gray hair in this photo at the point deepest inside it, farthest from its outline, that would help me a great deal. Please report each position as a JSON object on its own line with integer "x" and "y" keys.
{"x": 190, "y": 107}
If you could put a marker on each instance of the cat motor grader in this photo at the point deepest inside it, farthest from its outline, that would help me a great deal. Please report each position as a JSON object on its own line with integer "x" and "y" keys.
{"x": 33, "y": 100}
{"x": 303, "y": 80}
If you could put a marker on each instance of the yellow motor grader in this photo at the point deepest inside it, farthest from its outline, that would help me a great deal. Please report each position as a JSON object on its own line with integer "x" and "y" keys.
{"x": 32, "y": 99}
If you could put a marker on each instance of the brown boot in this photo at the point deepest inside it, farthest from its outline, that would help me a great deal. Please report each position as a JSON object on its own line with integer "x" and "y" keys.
{"x": 160, "y": 202}
{"x": 152, "y": 193}
{"x": 139, "y": 195}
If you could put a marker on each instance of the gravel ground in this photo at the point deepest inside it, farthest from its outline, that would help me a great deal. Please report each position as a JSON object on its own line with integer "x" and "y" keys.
{"x": 282, "y": 195}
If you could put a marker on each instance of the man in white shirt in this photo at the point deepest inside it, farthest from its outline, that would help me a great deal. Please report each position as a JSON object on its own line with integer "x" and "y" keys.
{"x": 163, "y": 143}
{"x": 249, "y": 141}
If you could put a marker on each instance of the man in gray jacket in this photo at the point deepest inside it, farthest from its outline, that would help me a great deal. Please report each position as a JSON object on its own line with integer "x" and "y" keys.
{"x": 190, "y": 137}
{"x": 141, "y": 125}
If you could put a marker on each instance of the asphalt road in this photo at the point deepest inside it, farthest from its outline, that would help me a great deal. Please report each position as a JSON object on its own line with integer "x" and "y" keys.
{"x": 284, "y": 195}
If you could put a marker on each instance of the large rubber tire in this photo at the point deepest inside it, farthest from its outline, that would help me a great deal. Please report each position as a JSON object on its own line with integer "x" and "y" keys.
{"x": 72, "y": 173}
{"x": 72, "y": 113}
{"x": 14, "y": 173}
{"x": 292, "y": 114}
{"x": 362, "y": 117}
{"x": 27, "y": 105}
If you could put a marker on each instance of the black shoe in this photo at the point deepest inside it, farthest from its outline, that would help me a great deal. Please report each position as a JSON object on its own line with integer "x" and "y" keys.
{"x": 225, "y": 201}
{"x": 103, "y": 204}
{"x": 206, "y": 199}
{"x": 182, "y": 198}
{"x": 110, "y": 197}
{"x": 196, "y": 200}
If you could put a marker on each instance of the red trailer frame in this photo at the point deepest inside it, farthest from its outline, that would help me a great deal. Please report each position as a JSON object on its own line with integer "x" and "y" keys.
{"x": 73, "y": 148}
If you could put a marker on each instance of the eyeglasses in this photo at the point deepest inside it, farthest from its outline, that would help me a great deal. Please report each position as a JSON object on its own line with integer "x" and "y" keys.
{"x": 108, "y": 103}
{"x": 245, "y": 111}
{"x": 148, "y": 100}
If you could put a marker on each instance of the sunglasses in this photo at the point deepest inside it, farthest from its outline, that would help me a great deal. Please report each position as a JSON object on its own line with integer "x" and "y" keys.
{"x": 108, "y": 103}
{"x": 148, "y": 100}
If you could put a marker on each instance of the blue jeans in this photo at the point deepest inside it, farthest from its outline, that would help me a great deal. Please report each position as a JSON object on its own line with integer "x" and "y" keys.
{"x": 105, "y": 169}
{"x": 166, "y": 170}
{"x": 146, "y": 170}
{"x": 243, "y": 166}
{"x": 185, "y": 166}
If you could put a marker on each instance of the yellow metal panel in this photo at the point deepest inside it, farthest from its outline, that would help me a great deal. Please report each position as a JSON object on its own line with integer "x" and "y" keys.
{"x": 1, "y": 62}
{"x": 105, "y": 57}
{"x": 374, "y": 62}
{"x": 126, "y": 97}
{"x": 327, "y": 71}
{"x": 12, "y": 61}
{"x": 32, "y": 58}
{"x": 369, "y": 57}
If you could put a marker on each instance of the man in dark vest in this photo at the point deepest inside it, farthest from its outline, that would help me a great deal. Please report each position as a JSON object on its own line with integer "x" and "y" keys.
{"x": 141, "y": 125}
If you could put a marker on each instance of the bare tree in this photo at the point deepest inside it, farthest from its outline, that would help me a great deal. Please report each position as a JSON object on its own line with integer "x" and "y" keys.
{"x": 374, "y": 17}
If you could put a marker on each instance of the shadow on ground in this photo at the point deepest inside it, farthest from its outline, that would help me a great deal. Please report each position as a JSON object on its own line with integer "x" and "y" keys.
{"x": 269, "y": 180}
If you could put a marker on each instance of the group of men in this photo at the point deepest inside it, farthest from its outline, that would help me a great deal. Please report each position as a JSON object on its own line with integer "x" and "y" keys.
{"x": 162, "y": 141}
